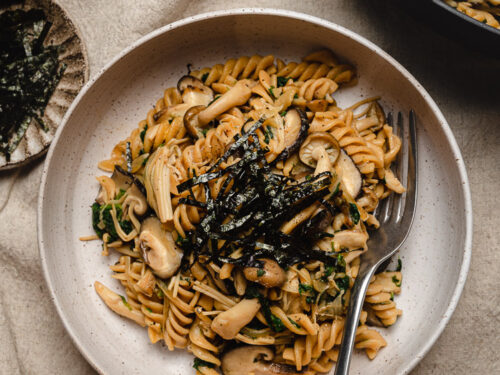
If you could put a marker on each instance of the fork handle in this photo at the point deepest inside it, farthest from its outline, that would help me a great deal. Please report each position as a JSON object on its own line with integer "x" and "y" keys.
{"x": 358, "y": 292}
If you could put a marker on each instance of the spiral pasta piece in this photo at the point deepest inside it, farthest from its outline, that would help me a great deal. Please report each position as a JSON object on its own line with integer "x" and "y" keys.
{"x": 149, "y": 211}
{"x": 380, "y": 296}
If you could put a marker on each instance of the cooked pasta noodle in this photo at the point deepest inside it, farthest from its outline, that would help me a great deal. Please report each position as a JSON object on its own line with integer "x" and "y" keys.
{"x": 486, "y": 11}
{"x": 240, "y": 208}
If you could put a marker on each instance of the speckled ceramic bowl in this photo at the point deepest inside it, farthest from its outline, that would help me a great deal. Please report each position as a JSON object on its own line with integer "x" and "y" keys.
{"x": 435, "y": 256}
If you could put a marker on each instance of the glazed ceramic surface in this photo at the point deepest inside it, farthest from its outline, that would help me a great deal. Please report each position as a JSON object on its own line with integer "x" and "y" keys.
{"x": 63, "y": 32}
{"x": 435, "y": 256}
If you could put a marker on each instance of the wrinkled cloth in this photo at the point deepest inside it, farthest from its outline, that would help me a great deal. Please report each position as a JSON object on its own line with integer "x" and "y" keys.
{"x": 32, "y": 338}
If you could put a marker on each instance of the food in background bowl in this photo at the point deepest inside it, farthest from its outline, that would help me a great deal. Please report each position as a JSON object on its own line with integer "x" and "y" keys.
{"x": 486, "y": 11}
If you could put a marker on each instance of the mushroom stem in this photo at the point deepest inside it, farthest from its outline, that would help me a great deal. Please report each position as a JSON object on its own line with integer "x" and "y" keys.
{"x": 323, "y": 161}
{"x": 254, "y": 360}
{"x": 159, "y": 249}
{"x": 270, "y": 275}
{"x": 118, "y": 304}
{"x": 237, "y": 95}
{"x": 230, "y": 322}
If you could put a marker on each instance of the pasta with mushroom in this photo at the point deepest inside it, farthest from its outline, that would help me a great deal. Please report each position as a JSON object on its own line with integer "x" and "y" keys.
{"x": 485, "y": 11}
{"x": 240, "y": 209}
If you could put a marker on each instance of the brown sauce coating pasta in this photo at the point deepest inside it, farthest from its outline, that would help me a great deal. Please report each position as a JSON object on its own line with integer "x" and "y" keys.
{"x": 301, "y": 316}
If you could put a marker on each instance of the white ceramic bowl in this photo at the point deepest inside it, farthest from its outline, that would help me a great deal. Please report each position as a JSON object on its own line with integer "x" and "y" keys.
{"x": 435, "y": 256}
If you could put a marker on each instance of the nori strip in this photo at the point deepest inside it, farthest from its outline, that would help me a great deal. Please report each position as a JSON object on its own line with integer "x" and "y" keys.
{"x": 250, "y": 208}
{"x": 29, "y": 74}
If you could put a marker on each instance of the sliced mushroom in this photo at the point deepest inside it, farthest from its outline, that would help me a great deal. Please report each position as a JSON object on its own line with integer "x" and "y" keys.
{"x": 194, "y": 92}
{"x": 122, "y": 180}
{"x": 118, "y": 304}
{"x": 296, "y": 126}
{"x": 191, "y": 121}
{"x": 158, "y": 248}
{"x": 270, "y": 275}
{"x": 136, "y": 199}
{"x": 320, "y": 150}
{"x": 228, "y": 323}
{"x": 238, "y": 95}
{"x": 254, "y": 360}
{"x": 157, "y": 183}
{"x": 349, "y": 174}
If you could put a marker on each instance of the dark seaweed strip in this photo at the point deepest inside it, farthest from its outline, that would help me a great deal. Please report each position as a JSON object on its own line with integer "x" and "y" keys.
{"x": 29, "y": 74}
{"x": 249, "y": 213}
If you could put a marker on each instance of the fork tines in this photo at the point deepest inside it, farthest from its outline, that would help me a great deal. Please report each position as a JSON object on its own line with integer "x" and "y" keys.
{"x": 394, "y": 207}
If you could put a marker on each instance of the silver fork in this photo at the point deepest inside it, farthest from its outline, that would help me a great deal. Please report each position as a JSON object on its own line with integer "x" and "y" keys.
{"x": 396, "y": 216}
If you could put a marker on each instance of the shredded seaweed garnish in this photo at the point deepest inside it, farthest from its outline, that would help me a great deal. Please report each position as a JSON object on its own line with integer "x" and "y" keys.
{"x": 201, "y": 363}
{"x": 29, "y": 74}
{"x": 252, "y": 205}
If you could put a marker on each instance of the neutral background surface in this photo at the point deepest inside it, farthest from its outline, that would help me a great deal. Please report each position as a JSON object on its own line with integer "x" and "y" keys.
{"x": 465, "y": 84}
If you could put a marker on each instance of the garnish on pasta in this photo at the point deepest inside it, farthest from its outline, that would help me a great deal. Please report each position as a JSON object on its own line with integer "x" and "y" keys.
{"x": 240, "y": 209}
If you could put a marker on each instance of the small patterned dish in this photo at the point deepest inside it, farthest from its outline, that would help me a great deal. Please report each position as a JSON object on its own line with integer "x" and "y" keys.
{"x": 74, "y": 55}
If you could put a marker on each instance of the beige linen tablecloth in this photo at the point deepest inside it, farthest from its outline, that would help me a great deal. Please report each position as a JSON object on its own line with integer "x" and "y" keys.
{"x": 464, "y": 84}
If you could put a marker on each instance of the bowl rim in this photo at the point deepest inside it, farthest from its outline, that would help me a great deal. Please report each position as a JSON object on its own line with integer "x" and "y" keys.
{"x": 301, "y": 17}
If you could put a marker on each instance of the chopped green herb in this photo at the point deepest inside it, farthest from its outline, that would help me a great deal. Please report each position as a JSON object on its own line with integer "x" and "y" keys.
{"x": 147, "y": 308}
{"x": 204, "y": 77}
{"x": 252, "y": 291}
{"x": 214, "y": 99}
{"x": 327, "y": 273}
{"x": 181, "y": 241}
{"x": 143, "y": 133}
{"x": 159, "y": 293}
{"x": 201, "y": 363}
{"x": 204, "y": 131}
{"x": 400, "y": 265}
{"x": 294, "y": 323}
{"x": 283, "y": 113}
{"x": 310, "y": 299}
{"x": 392, "y": 296}
{"x": 102, "y": 221}
{"x": 120, "y": 194}
{"x": 296, "y": 96}
{"x": 396, "y": 281}
{"x": 354, "y": 212}
{"x": 268, "y": 134}
{"x": 341, "y": 261}
{"x": 333, "y": 246}
{"x": 281, "y": 81}
{"x": 126, "y": 303}
{"x": 273, "y": 321}
{"x": 276, "y": 324}
{"x": 260, "y": 272}
{"x": 304, "y": 288}
{"x": 308, "y": 177}
{"x": 343, "y": 283}
{"x": 272, "y": 92}
{"x": 337, "y": 188}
